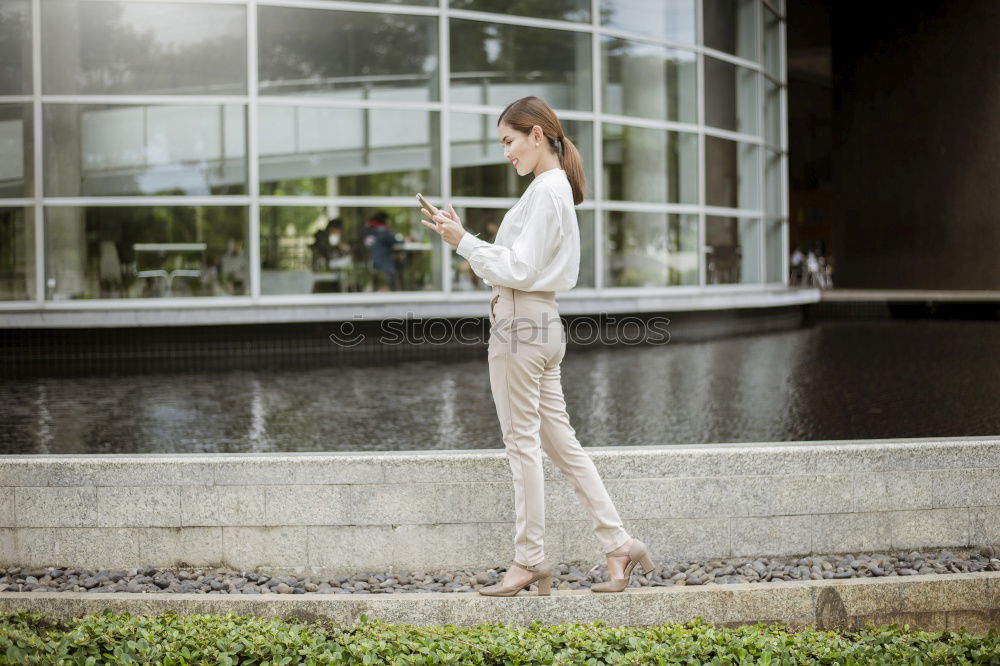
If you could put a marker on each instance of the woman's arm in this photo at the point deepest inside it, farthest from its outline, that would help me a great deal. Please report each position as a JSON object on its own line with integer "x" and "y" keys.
{"x": 519, "y": 265}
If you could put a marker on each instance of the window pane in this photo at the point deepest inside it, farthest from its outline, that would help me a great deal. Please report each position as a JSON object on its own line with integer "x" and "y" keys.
{"x": 775, "y": 241}
{"x": 642, "y": 164}
{"x": 566, "y": 10}
{"x": 732, "y": 173}
{"x": 495, "y": 64}
{"x": 485, "y": 222}
{"x": 731, "y": 26}
{"x": 310, "y": 250}
{"x": 146, "y": 252}
{"x": 16, "y": 140}
{"x": 143, "y": 47}
{"x": 772, "y": 113}
{"x": 649, "y": 81}
{"x": 650, "y": 249}
{"x": 730, "y": 97}
{"x": 106, "y": 150}
{"x": 17, "y": 254}
{"x": 773, "y": 184}
{"x": 772, "y": 58}
{"x": 321, "y": 151}
{"x": 347, "y": 55}
{"x": 665, "y": 19}
{"x": 15, "y": 47}
{"x": 732, "y": 250}
{"x": 479, "y": 169}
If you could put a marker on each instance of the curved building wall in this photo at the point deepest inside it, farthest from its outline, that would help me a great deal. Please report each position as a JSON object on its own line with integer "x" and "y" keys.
{"x": 178, "y": 154}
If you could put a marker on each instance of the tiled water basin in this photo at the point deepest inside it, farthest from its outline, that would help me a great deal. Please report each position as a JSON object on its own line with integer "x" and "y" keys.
{"x": 835, "y": 380}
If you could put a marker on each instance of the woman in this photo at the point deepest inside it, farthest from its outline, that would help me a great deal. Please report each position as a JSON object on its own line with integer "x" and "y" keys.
{"x": 536, "y": 253}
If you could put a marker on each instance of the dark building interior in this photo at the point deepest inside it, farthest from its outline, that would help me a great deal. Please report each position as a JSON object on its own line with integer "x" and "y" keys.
{"x": 894, "y": 140}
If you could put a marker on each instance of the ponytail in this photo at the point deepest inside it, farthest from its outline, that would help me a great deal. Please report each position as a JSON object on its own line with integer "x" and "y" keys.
{"x": 572, "y": 164}
{"x": 527, "y": 112}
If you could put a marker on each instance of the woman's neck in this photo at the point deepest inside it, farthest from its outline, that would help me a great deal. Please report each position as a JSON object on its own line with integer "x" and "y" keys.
{"x": 547, "y": 163}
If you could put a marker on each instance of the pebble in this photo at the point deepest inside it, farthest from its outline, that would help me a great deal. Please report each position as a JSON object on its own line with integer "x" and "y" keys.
{"x": 149, "y": 579}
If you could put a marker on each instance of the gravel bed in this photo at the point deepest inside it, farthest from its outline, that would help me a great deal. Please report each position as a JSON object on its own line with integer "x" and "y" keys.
{"x": 566, "y": 577}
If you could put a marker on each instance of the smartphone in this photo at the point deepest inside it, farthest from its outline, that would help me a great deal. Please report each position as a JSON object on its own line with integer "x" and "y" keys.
{"x": 426, "y": 204}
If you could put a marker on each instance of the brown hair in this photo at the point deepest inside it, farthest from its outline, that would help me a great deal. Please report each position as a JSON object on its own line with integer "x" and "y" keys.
{"x": 527, "y": 112}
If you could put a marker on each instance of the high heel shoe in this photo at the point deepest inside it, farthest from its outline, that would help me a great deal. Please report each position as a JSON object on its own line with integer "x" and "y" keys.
{"x": 637, "y": 554}
{"x": 541, "y": 572}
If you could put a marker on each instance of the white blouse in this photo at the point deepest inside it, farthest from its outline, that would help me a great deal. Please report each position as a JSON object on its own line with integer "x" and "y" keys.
{"x": 537, "y": 247}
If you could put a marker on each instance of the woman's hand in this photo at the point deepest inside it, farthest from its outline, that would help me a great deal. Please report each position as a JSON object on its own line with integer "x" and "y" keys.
{"x": 446, "y": 223}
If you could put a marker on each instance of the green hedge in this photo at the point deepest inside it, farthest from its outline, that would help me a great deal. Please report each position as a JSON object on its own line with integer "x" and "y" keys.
{"x": 169, "y": 639}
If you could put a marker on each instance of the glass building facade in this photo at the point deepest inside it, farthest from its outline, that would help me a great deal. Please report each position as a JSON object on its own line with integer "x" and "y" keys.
{"x": 238, "y": 150}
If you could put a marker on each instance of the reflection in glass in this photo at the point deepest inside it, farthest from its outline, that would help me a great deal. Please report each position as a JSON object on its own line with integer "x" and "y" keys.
{"x": 772, "y": 183}
{"x": 310, "y": 250}
{"x": 650, "y": 249}
{"x": 479, "y": 169}
{"x": 565, "y": 10}
{"x": 642, "y": 164}
{"x": 17, "y": 254}
{"x": 732, "y": 250}
{"x": 731, "y": 26}
{"x": 772, "y": 113}
{"x": 649, "y": 81}
{"x": 16, "y": 141}
{"x": 730, "y": 97}
{"x": 107, "y": 150}
{"x": 484, "y": 224}
{"x": 143, "y": 47}
{"x": 772, "y": 58}
{"x": 494, "y": 64}
{"x": 731, "y": 173}
{"x": 347, "y": 55}
{"x": 672, "y": 20}
{"x": 146, "y": 252}
{"x": 15, "y": 47}
{"x": 324, "y": 151}
{"x": 775, "y": 251}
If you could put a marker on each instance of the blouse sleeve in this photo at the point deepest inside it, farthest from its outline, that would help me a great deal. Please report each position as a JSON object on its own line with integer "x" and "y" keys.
{"x": 519, "y": 265}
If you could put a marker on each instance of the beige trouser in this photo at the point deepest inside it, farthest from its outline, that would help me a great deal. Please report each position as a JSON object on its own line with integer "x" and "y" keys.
{"x": 527, "y": 344}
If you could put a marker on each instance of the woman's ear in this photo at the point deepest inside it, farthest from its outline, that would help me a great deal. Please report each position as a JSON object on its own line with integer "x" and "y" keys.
{"x": 537, "y": 134}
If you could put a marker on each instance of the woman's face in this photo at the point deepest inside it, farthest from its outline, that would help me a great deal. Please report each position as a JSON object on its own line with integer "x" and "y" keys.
{"x": 519, "y": 148}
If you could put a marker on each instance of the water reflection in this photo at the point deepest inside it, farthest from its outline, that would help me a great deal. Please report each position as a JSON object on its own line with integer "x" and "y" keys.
{"x": 831, "y": 381}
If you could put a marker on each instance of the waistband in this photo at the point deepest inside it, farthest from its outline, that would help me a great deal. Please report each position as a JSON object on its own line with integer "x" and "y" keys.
{"x": 510, "y": 292}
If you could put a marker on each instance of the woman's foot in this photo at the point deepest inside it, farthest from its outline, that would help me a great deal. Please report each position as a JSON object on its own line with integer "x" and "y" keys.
{"x": 618, "y": 559}
{"x": 515, "y": 576}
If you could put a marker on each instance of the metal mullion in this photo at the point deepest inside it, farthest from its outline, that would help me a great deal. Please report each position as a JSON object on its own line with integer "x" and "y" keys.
{"x": 733, "y": 136}
{"x": 564, "y": 114}
{"x": 649, "y": 123}
{"x": 444, "y": 135}
{"x": 22, "y": 202}
{"x": 252, "y": 152}
{"x": 523, "y": 21}
{"x": 346, "y": 201}
{"x": 287, "y": 100}
{"x": 178, "y": 200}
{"x": 648, "y": 207}
{"x": 191, "y": 100}
{"x": 597, "y": 128}
{"x": 732, "y": 59}
{"x": 761, "y": 159}
{"x": 702, "y": 165}
{"x": 37, "y": 152}
{"x": 337, "y": 5}
{"x": 783, "y": 138}
{"x": 16, "y": 99}
{"x": 722, "y": 211}
{"x": 633, "y": 36}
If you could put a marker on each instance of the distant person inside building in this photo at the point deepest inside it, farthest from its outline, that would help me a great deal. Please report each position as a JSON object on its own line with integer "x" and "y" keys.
{"x": 380, "y": 241}
{"x": 796, "y": 262}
